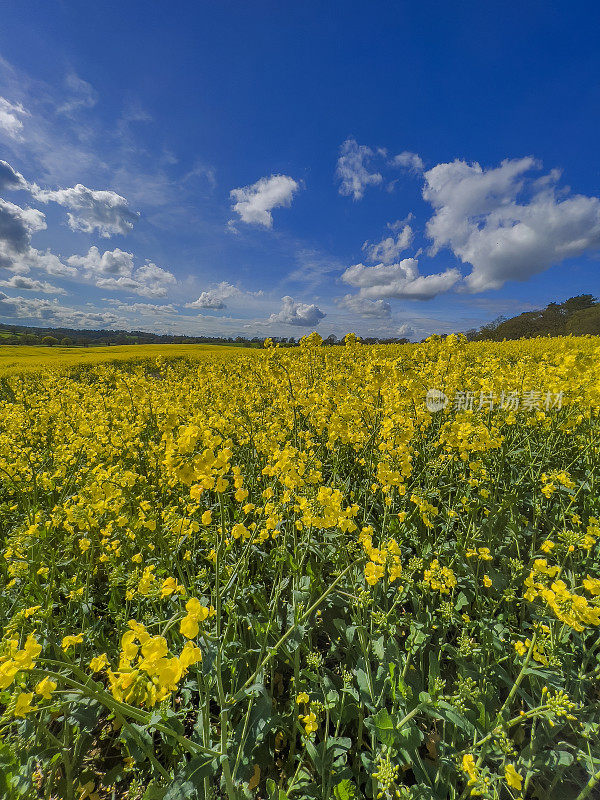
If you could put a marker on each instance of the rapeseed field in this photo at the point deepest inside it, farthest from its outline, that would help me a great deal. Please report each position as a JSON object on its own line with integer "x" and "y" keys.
{"x": 22, "y": 358}
{"x": 333, "y": 573}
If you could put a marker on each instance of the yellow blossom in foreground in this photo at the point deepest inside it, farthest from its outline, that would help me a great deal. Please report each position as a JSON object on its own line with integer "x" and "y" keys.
{"x": 23, "y": 705}
{"x": 8, "y": 672}
{"x": 592, "y": 585}
{"x": 45, "y": 688}
{"x": 513, "y": 778}
{"x": 373, "y": 573}
{"x": 169, "y": 586}
{"x": 468, "y": 766}
{"x": 196, "y": 613}
{"x": 99, "y": 662}
{"x": 71, "y": 641}
{"x": 310, "y": 723}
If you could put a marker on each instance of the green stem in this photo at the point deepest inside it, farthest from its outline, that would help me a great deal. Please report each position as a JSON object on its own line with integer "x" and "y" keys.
{"x": 290, "y": 630}
{"x": 589, "y": 787}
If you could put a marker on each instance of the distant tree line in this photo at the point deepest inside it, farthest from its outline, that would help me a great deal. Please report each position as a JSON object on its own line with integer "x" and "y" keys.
{"x": 576, "y": 316}
{"x": 71, "y": 337}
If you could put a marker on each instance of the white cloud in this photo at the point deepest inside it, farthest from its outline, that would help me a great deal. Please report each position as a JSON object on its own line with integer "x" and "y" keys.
{"x": 405, "y": 331}
{"x": 114, "y": 270}
{"x": 506, "y": 226}
{"x": 144, "y": 308}
{"x": 151, "y": 274}
{"x": 214, "y": 298}
{"x": 45, "y": 261}
{"x": 365, "y": 307}
{"x": 410, "y": 161}
{"x": 50, "y": 312}
{"x": 114, "y": 263}
{"x": 10, "y": 121}
{"x": 388, "y": 250}
{"x": 352, "y": 170}
{"x": 254, "y": 203}
{"x": 93, "y": 209}
{"x": 16, "y": 228}
{"x": 399, "y": 280}
{"x": 147, "y": 281}
{"x": 300, "y": 314}
{"x": 17, "y": 225}
{"x": 10, "y": 179}
{"x": 30, "y": 285}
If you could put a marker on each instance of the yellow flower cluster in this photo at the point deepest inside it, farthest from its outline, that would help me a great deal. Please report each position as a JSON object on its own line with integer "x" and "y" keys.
{"x": 146, "y": 675}
{"x": 571, "y": 608}
{"x": 440, "y": 579}
{"x": 17, "y": 659}
{"x": 387, "y": 555}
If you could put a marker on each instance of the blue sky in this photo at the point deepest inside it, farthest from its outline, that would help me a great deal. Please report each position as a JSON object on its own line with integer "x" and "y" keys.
{"x": 268, "y": 168}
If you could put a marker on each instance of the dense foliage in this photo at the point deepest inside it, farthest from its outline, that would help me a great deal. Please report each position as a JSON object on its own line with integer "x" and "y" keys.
{"x": 280, "y": 575}
{"x": 577, "y": 316}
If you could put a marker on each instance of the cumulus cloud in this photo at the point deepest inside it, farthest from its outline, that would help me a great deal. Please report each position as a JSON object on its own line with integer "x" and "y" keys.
{"x": 254, "y": 203}
{"x": 505, "y": 225}
{"x": 10, "y": 118}
{"x": 405, "y": 331}
{"x": 92, "y": 209}
{"x": 214, "y": 298}
{"x": 17, "y": 225}
{"x": 388, "y": 250}
{"x": 410, "y": 161}
{"x": 51, "y": 313}
{"x": 207, "y": 300}
{"x": 147, "y": 281}
{"x": 47, "y": 262}
{"x": 149, "y": 273}
{"x": 114, "y": 270}
{"x": 144, "y": 308}
{"x": 352, "y": 170}
{"x": 300, "y": 314}
{"x": 365, "y": 307}
{"x": 29, "y": 284}
{"x": 114, "y": 263}
{"x": 16, "y": 228}
{"x": 10, "y": 179}
{"x": 401, "y": 280}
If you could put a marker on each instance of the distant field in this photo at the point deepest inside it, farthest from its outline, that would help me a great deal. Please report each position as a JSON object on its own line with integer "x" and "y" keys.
{"x": 18, "y": 358}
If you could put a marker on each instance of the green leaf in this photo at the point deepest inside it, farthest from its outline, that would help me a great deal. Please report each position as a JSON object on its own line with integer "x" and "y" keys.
{"x": 189, "y": 780}
{"x": 154, "y": 792}
{"x": 274, "y": 792}
{"x": 345, "y": 790}
{"x": 409, "y": 737}
{"x": 385, "y": 727}
{"x": 363, "y": 686}
{"x": 378, "y": 646}
{"x": 445, "y": 711}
